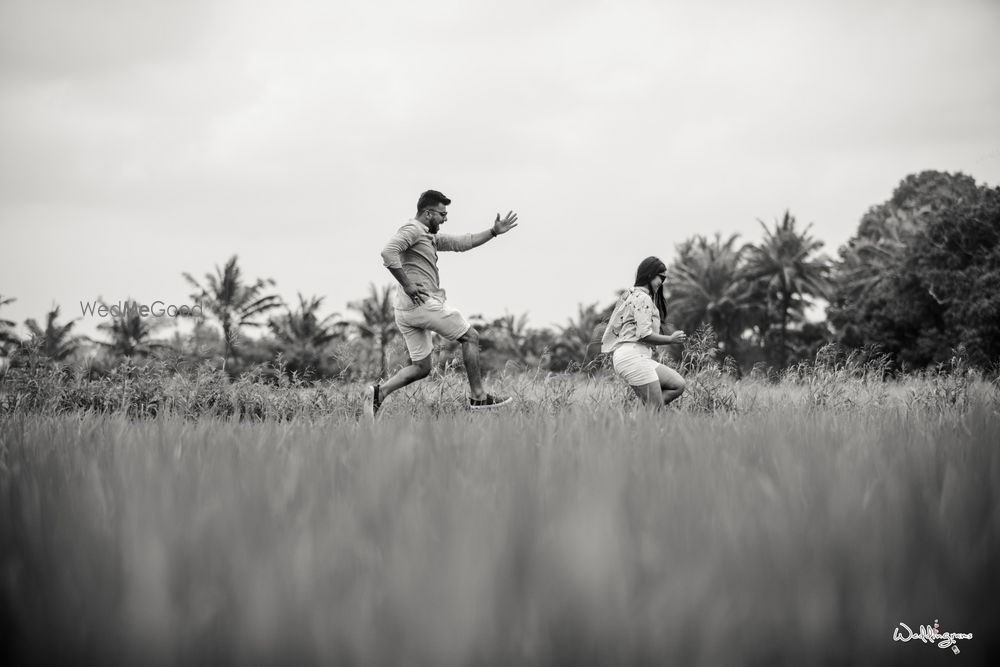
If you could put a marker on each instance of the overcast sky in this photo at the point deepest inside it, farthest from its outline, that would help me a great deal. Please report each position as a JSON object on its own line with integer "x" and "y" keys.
{"x": 143, "y": 138}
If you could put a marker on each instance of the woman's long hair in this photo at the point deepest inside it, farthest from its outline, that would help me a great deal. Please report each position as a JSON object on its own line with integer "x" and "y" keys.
{"x": 648, "y": 269}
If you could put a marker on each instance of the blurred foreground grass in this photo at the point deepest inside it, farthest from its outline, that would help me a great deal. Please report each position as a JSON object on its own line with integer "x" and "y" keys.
{"x": 789, "y": 531}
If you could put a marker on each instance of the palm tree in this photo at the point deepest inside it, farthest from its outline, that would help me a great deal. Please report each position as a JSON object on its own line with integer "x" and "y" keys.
{"x": 55, "y": 341}
{"x": 511, "y": 335}
{"x": 131, "y": 334}
{"x": 7, "y": 337}
{"x": 786, "y": 265}
{"x": 575, "y": 337}
{"x": 302, "y": 336}
{"x": 234, "y": 303}
{"x": 378, "y": 321}
{"x": 706, "y": 286}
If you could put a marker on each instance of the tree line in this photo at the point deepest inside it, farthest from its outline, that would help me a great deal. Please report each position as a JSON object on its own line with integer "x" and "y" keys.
{"x": 918, "y": 280}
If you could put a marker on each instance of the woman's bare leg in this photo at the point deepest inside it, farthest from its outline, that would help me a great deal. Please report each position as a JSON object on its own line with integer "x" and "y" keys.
{"x": 671, "y": 383}
{"x": 650, "y": 394}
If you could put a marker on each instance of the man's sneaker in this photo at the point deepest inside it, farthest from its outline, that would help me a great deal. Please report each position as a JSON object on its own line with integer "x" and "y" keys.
{"x": 490, "y": 401}
{"x": 373, "y": 401}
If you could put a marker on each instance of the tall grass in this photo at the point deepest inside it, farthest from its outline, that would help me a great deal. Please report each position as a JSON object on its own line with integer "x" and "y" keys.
{"x": 587, "y": 535}
{"x": 160, "y": 517}
{"x": 837, "y": 381}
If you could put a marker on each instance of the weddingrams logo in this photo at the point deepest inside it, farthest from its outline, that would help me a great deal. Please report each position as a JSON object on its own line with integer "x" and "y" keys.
{"x": 931, "y": 635}
{"x": 134, "y": 308}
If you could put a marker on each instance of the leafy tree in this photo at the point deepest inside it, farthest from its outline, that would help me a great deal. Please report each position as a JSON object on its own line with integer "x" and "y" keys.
{"x": 786, "y": 266}
{"x": 378, "y": 323}
{"x": 888, "y": 230}
{"x": 303, "y": 338}
{"x": 916, "y": 199}
{"x": 233, "y": 302}
{"x": 866, "y": 262}
{"x": 958, "y": 261}
{"x": 55, "y": 341}
{"x": 919, "y": 278}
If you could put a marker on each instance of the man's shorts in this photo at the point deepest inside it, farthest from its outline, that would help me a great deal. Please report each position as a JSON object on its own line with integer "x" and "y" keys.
{"x": 416, "y": 325}
{"x": 635, "y": 364}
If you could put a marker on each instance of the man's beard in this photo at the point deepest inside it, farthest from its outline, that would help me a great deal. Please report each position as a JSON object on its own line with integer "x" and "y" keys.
{"x": 433, "y": 227}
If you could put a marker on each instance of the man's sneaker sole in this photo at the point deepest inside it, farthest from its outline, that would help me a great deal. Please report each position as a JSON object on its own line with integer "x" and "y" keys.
{"x": 490, "y": 406}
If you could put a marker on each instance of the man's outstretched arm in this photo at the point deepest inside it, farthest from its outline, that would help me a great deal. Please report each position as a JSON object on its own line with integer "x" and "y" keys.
{"x": 469, "y": 241}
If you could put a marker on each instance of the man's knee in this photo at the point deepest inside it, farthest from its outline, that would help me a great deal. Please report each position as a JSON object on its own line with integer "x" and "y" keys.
{"x": 423, "y": 367}
{"x": 470, "y": 336}
{"x": 681, "y": 384}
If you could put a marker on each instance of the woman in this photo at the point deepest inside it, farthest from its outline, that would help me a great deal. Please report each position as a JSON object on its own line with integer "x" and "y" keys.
{"x": 633, "y": 333}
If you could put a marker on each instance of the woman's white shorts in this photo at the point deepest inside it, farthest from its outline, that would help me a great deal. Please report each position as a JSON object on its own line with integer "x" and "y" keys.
{"x": 635, "y": 364}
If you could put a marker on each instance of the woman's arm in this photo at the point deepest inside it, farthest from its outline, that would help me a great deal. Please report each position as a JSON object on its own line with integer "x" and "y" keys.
{"x": 660, "y": 339}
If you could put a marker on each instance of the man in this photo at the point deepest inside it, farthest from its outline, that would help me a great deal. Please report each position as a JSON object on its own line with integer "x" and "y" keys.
{"x": 411, "y": 257}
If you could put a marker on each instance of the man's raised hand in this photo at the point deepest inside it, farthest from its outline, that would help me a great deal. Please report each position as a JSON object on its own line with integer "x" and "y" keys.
{"x": 505, "y": 225}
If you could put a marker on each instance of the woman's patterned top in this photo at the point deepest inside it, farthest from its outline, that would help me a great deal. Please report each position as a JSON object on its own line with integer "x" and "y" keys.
{"x": 633, "y": 318}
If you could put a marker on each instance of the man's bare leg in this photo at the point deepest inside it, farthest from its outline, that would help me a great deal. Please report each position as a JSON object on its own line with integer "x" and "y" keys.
{"x": 417, "y": 370}
{"x": 470, "y": 355}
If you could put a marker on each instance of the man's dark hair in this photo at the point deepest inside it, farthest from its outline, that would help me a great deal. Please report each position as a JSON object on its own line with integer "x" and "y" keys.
{"x": 429, "y": 199}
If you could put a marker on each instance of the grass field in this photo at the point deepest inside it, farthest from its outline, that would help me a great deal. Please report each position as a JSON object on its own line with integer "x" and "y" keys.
{"x": 755, "y": 523}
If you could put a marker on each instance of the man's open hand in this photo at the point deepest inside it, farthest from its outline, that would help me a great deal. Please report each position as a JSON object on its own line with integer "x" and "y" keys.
{"x": 505, "y": 225}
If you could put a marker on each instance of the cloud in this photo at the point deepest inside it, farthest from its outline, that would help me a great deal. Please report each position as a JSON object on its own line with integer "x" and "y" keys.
{"x": 66, "y": 39}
